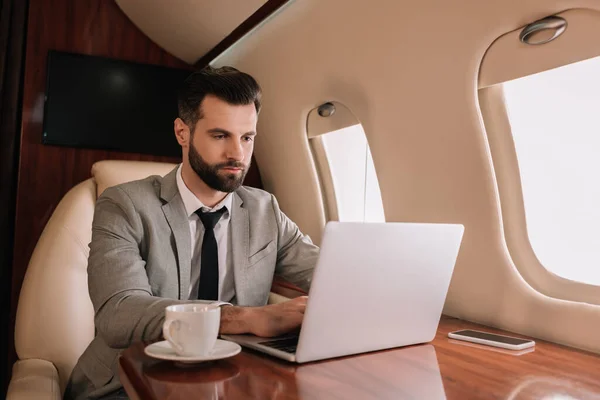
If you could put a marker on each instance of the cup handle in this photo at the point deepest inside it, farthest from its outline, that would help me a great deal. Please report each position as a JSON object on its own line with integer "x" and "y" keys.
{"x": 172, "y": 323}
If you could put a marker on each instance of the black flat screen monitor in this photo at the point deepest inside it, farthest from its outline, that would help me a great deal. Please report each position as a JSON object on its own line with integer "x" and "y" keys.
{"x": 101, "y": 103}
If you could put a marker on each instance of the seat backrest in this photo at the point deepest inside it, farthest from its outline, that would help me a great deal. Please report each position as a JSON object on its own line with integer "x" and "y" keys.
{"x": 55, "y": 317}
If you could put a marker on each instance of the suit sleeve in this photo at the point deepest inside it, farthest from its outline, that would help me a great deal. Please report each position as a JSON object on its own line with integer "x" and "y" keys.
{"x": 296, "y": 253}
{"x": 125, "y": 309}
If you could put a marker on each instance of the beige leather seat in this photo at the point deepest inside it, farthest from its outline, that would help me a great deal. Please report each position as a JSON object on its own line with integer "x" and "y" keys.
{"x": 55, "y": 317}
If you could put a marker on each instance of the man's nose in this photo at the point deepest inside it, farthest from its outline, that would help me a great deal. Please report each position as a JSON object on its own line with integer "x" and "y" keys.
{"x": 235, "y": 151}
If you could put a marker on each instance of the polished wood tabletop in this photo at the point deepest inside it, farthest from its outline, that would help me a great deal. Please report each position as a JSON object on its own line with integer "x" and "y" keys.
{"x": 442, "y": 369}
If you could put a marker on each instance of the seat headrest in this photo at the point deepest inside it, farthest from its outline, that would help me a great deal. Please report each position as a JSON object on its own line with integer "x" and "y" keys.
{"x": 109, "y": 173}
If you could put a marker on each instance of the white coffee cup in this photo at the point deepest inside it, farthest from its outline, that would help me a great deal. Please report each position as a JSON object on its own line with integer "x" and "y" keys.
{"x": 192, "y": 328}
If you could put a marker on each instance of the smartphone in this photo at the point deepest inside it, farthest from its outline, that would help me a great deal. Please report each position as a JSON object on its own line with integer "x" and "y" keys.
{"x": 492, "y": 339}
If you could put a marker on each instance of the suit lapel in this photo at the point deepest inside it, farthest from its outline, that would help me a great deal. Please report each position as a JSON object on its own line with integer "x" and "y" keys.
{"x": 240, "y": 239}
{"x": 176, "y": 216}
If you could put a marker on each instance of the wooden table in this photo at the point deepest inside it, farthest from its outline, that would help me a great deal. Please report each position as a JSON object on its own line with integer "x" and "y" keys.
{"x": 443, "y": 369}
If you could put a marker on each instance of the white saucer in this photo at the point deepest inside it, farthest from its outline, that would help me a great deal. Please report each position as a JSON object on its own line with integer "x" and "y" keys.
{"x": 164, "y": 351}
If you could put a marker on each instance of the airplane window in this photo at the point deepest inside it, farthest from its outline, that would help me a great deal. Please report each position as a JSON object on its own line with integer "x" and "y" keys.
{"x": 357, "y": 192}
{"x": 555, "y": 123}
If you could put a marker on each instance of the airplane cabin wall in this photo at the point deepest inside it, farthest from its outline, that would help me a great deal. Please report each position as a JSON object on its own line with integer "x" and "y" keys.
{"x": 409, "y": 71}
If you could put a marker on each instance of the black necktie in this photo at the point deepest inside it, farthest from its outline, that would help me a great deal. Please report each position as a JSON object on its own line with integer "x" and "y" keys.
{"x": 208, "y": 288}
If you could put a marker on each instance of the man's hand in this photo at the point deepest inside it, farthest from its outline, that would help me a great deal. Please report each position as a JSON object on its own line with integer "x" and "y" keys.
{"x": 267, "y": 321}
{"x": 277, "y": 319}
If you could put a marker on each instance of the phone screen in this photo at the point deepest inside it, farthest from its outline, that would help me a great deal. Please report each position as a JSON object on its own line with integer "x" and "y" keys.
{"x": 492, "y": 337}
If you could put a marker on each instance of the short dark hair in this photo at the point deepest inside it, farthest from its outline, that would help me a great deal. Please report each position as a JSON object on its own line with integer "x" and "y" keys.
{"x": 226, "y": 83}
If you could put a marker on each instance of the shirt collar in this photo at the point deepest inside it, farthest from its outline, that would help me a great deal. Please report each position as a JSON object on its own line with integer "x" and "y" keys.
{"x": 191, "y": 202}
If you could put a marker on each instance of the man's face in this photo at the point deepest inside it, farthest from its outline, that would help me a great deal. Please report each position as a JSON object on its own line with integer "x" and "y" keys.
{"x": 222, "y": 143}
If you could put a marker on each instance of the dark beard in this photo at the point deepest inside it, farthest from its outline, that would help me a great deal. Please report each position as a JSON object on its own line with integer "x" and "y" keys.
{"x": 210, "y": 173}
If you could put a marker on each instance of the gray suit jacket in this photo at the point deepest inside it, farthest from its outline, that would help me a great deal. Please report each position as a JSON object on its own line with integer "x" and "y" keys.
{"x": 139, "y": 263}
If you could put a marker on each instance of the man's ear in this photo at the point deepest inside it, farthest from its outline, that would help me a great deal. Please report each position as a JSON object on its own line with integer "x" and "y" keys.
{"x": 182, "y": 132}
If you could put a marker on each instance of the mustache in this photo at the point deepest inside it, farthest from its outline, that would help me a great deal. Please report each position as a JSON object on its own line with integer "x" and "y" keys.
{"x": 231, "y": 164}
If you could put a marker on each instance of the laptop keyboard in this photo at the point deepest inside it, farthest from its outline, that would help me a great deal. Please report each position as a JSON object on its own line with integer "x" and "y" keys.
{"x": 286, "y": 343}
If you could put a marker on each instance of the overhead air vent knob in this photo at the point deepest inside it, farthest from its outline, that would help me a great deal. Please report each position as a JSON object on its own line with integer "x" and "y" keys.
{"x": 327, "y": 109}
{"x": 543, "y": 31}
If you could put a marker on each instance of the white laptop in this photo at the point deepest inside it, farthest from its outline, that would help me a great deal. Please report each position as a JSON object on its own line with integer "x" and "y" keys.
{"x": 376, "y": 286}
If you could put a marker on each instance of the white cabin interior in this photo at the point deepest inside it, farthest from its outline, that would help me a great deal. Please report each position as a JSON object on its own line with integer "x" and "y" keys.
{"x": 442, "y": 114}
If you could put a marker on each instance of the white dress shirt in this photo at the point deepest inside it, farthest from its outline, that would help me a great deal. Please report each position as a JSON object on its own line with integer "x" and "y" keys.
{"x": 222, "y": 234}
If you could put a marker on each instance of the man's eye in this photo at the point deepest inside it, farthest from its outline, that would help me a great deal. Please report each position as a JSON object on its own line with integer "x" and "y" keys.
{"x": 248, "y": 138}
{"x": 220, "y": 137}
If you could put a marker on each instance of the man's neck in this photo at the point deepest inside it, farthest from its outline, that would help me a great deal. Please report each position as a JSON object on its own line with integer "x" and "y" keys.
{"x": 207, "y": 195}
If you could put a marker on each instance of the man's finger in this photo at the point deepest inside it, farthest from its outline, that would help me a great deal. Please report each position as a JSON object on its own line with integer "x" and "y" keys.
{"x": 300, "y": 307}
{"x": 300, "y": 300}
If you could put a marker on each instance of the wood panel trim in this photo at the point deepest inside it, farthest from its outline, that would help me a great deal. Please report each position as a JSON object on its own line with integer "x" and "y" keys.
{"x": 13, "y": 32}
{"x": 250, "y": 23}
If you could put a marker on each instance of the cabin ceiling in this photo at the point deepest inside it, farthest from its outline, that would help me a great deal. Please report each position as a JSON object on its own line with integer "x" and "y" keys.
{"x": 191, "y": 29}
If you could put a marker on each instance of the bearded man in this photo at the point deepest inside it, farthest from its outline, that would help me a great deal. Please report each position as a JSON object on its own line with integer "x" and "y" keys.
{"x": 194, "y": 234}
